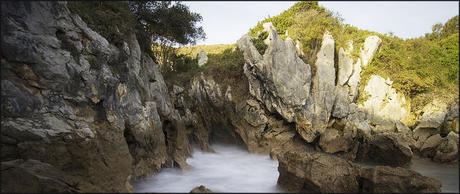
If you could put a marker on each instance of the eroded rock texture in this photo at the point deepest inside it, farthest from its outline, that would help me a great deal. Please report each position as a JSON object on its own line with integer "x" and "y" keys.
{"x": 322, "y": 173}
{"x": 77, "y": 111}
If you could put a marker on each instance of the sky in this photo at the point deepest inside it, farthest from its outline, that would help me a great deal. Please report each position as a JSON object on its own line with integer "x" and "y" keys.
{"x": 226, "y": 21}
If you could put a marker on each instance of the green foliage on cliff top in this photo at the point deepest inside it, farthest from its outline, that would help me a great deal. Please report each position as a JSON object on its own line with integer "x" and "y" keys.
{"x": 111, "y": 19}
{"x": 225, "y": 65}
{"x": 420, "y": 68}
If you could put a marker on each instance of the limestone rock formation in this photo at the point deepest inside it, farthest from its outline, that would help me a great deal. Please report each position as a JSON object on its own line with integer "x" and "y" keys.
{"x": 79, "y": 106}
{"x": 383, "y": 101}
{"x": 319, "y": 172}
{"x": 313, "y": 119}
{"x": 433, "y": 115}
{"x": 279, "y": 78}
{"x": 371, "y": 44}
{"x": 202, "y": 58}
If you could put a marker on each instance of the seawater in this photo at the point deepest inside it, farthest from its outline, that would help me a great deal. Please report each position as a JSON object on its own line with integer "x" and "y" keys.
{"x": 229, "y": 169}
{"x": 233, "y": 169}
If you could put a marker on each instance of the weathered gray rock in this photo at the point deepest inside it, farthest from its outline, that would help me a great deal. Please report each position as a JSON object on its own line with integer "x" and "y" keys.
{"x": 96, "y": 113}
{"x": 451, "y": 121}
{"x": 318, "y": 172}
{"x": 345, "y": 66}
{"x": 200, "y": 189}
{"x": 433, "y": 115}
{"x": 383, "y": 101}
{"x": 279, "y": 79}
{"x": 28, "y": 176}
{"x": 202, "y": 58}
{"x": 447, "y": 150}
{"x": 385, "y": 179}
{"x": 386, "y": 148}
{"x": 313, "y": 118}
{"x": 430, "y": 146}
{"x": 333, "y": 141}
{"x": 371, "y": 44}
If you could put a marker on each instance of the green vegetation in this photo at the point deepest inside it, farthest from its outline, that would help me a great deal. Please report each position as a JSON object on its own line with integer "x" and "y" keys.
{"x": 225, "y": 65}
{"x": 420, "y": 68}
{"x": 159, "y": 25}
{"x": 111, "y": 19}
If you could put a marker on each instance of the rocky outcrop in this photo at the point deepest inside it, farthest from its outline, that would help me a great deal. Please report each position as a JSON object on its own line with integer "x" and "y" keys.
{"x": 385, "y": 179}
{"x": 313, "y": 119}
{"x": 202, "y": 58}
{"x": 386, "y": 148}
{"x": 318, "y": 172}
{"x": 371, "y": 44}
{"x": 447, "y": 150}
{"x": 200, "y": 189}
{"x": 451, "y": 121}
{"x": 383, "y": 101}
{"x": 436, "y": 131}
{"x": 279, "y": 79}
{"x": 94, "y": 115}
{"x": 34, "y": 176}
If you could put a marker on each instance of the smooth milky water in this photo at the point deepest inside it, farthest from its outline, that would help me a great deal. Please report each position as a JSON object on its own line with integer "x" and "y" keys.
{"x": 447, "y": 174}
{"x": 230, "y": 169}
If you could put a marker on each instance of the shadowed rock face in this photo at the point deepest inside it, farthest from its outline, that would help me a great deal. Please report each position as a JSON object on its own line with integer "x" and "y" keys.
{"x": 95, "y": 115}
{"x": 318, "y": 172}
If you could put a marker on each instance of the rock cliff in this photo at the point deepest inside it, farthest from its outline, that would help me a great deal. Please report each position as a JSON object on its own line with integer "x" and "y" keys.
{"x": 78, "y": 113}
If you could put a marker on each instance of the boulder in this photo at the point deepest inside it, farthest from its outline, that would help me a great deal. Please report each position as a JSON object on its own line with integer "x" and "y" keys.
{"x": 386, "y": 148}
{"x": 430, "y": 146}
{"x": 451, "y": 121}
{"x": 433, "y": 115}
{"x": 200, "y": 189}
{"x": 308, "y": 172}
{"x": 32, "y": 176}
{"x": 447, "y": 151}
{"x": 316, "y": 172}
{"x": 385, "y": 179}
{"x": 333, "y": 141}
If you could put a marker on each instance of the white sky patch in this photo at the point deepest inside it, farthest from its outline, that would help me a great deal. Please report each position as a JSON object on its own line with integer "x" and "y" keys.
{"x": 224, "y": 22}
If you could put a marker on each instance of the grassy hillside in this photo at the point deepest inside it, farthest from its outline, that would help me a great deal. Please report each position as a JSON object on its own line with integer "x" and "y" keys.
{"x": 421, "y": 68}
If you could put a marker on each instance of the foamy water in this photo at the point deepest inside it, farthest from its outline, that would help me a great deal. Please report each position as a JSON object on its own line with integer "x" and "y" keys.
{"x": 230, "y": 169}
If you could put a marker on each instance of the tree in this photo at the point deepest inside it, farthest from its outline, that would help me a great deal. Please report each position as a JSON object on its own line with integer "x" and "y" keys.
{"x": 162, "y": 25}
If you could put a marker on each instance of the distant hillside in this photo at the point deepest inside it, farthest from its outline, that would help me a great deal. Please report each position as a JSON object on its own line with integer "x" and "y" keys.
{"x": 420, "y": 67}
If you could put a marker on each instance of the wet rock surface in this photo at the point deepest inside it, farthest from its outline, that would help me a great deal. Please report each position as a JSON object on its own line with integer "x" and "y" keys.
{"x": 319, "y": 172}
